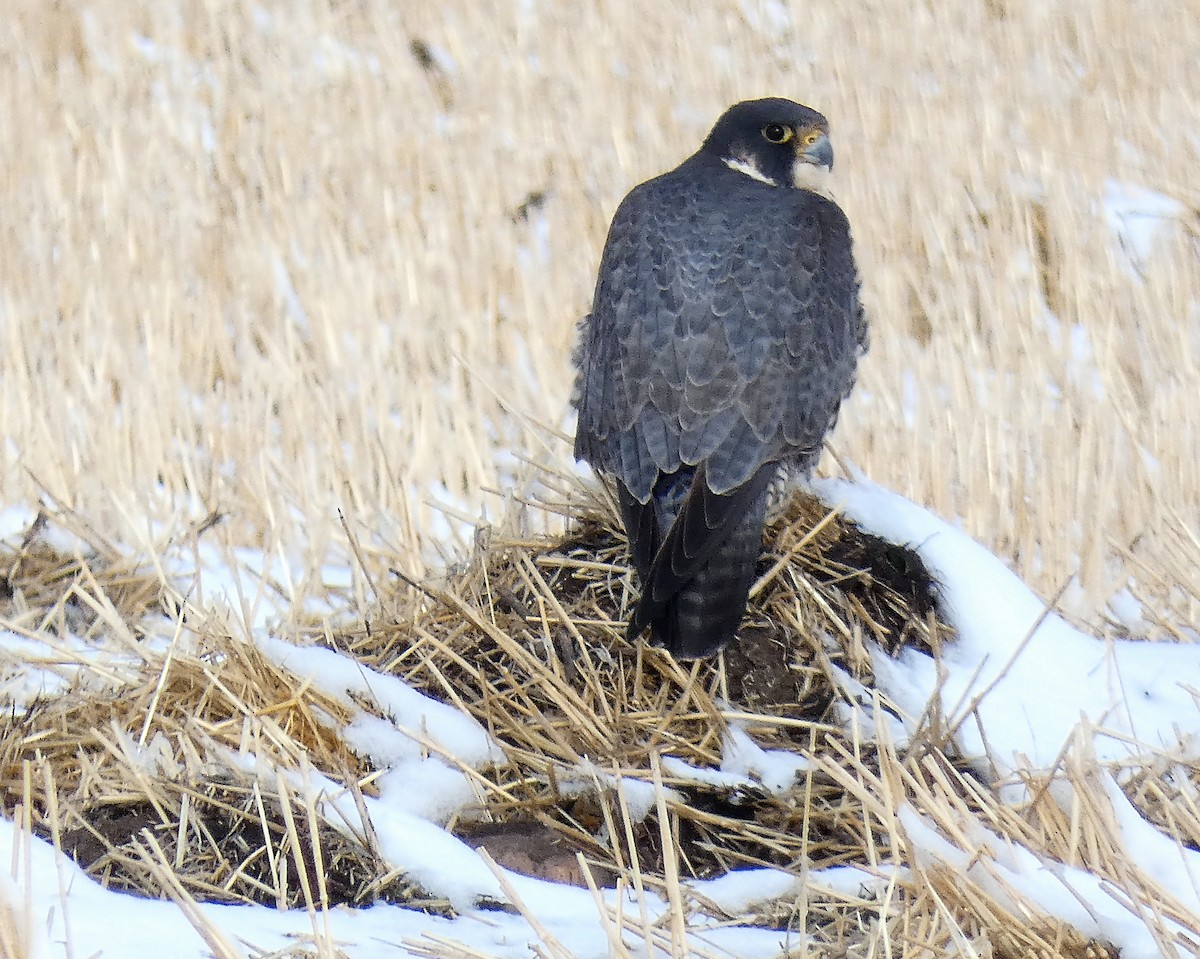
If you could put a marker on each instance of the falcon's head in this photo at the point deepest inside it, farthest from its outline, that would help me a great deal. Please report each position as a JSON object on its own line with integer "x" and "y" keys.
{"x": 775, "y": 141}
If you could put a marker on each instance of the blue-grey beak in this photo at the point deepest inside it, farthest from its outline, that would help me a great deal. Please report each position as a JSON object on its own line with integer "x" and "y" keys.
{"x": 818, "y": 153}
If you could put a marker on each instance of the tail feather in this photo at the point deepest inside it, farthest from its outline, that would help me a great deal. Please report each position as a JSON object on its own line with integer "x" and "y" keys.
{"x": 641, "y": 530}
{"x": 694, "y": 591}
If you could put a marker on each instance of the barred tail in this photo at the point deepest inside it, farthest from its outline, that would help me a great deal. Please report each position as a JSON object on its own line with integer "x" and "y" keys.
{"x": 694, "y": 592}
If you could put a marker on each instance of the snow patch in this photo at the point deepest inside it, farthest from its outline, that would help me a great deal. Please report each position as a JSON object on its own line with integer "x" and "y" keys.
{"x": 1137, "y": 217}
{"x": 776, "y": 769}
{"x": 1018, "y": 679}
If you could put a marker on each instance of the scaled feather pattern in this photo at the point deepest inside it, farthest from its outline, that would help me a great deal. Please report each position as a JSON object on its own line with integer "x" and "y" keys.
{"x": 724, "y": 334}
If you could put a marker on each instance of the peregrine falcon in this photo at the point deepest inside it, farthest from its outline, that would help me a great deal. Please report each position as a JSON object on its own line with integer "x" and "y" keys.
{"x": 724, "y": 334}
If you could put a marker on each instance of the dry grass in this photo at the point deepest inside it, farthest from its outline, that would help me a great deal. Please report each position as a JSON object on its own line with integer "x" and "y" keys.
{"x": 134, "y": 770}
{"x": 530, "y": 640}
{"x": 311, "y": 272}
{"x": 333, "y": 258}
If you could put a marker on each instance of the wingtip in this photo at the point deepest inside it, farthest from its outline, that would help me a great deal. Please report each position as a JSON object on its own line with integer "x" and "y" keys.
{"x": 633, "y": 632}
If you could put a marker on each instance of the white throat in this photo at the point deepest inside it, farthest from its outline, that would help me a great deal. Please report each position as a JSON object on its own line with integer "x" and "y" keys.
{"x": 747, "y": 167}
{"x": 807, "y": 176}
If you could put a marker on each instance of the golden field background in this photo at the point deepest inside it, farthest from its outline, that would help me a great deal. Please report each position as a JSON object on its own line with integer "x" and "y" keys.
{"x": 297, "y": 260}
{"x": 313, "y": 269}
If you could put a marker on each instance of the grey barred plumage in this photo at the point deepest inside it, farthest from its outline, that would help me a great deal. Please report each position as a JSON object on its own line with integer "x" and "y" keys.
{"x": 724, "y": 334}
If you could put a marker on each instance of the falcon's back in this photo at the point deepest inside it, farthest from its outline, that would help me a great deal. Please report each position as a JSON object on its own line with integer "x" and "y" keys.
{"x": 723, "y": 337}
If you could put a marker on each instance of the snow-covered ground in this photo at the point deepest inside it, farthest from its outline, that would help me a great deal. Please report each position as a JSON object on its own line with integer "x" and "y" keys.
{"x": 1019, "y": 680}
{"x": 1019, "y": 688}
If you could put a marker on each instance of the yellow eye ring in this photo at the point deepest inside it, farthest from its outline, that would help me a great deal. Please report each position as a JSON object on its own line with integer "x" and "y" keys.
{"x": 776, "y": 133}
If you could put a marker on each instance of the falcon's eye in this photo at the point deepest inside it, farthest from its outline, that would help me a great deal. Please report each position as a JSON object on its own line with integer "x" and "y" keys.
{"x": 776, "y": 133}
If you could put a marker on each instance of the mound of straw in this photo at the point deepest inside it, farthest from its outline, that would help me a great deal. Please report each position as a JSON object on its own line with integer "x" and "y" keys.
{"x": 133, "y": 771}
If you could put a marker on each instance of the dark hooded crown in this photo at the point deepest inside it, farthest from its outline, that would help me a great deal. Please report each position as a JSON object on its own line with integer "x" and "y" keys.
{"x": 744, "y": 135}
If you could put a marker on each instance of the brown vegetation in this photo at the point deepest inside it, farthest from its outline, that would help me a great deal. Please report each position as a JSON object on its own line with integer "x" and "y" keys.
{"x": 305, "y": 279}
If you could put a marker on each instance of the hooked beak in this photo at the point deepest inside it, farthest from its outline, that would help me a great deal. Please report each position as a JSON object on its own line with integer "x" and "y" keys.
{"x": 818, "y": 153}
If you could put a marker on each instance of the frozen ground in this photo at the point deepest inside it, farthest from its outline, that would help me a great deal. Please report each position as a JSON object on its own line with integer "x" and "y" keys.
{"x": 1019, "y": 687}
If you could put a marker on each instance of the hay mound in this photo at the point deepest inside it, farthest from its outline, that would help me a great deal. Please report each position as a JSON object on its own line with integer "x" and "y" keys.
{"x": 530, "y": 640}
{"x": 621, "y": 765}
